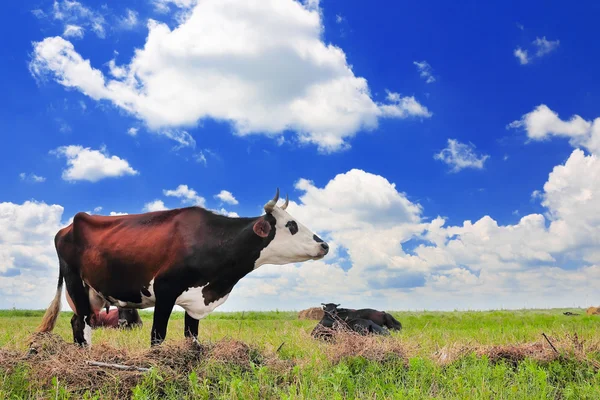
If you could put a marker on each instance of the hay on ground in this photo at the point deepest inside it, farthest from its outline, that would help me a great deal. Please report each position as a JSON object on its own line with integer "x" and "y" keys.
{"x": 315, "y": 313}
{"x": 540, "y": 351}
{"x": 51, "y": 356}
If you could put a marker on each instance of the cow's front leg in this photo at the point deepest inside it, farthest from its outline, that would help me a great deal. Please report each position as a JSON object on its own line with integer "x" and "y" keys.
{"x": 191, "y": 326}
{"x": 162, "y": 312}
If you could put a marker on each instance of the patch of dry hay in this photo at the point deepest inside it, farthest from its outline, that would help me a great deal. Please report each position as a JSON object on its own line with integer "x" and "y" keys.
{"x": 348, "y": 343}
{"x": 569, "y": 347}
{"x": 51, "y": 356}
{"x": 593, "y": 311}
{"x": 315, "y": 313}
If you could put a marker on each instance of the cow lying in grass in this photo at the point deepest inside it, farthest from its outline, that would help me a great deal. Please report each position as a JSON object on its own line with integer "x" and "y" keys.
{"x": 333, "y": 321}
{"x": 116, "y": 318}
{"x": 380, "y": 318}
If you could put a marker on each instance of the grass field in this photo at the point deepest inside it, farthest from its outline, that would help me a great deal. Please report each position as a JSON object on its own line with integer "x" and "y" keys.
{"x": 436, "y": 355}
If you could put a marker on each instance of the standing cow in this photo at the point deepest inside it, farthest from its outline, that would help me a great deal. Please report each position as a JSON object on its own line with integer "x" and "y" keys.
{"x": 189, "y": 257}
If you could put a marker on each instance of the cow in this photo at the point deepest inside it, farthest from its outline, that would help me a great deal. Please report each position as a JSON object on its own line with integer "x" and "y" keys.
{"x": 332, "y": 321}
{"x": 122, "y": 318}
{"x": 381, "y": 318}
{"x": 187, "y": 256}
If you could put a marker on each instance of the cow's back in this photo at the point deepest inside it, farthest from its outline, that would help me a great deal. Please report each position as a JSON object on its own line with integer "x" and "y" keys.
{"x": 119, "y": 255}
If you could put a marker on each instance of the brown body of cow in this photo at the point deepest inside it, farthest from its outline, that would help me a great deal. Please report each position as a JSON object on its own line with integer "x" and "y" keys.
{"x": 189, "y": 257}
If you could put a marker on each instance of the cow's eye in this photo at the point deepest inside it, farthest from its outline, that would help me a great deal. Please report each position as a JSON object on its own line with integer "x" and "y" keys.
{"x": 293, "y": 226}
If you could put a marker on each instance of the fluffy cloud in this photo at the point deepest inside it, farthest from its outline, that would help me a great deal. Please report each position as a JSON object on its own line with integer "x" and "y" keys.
{"x": 460, "y": 156}
{"x": 28, "y": 264}
{"x": 264, "y": 69}
{"x": 226, "y": 197}
{"x": 425, "y": 71}
{"x": 521, "y": 55}
{"x": 155, "y": 205}
{"x": 85, "y": 164}
{"x": 543, "y": 123}
{"x": 539, "y": 48}
{"x": 187, "y": 195}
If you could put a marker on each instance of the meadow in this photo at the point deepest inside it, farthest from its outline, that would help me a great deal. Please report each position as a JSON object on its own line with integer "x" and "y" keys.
{"x": 264, "y": 355}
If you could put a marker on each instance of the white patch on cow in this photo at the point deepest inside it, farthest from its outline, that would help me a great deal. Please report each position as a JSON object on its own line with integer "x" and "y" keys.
{"x": 192, "y": 301}
{"x": 87, "y": 332}
{"x": 286, "y": 248}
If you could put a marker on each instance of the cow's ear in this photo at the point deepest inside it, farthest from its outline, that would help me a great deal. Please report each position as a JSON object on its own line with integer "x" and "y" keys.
{"x": 262, "y": 228}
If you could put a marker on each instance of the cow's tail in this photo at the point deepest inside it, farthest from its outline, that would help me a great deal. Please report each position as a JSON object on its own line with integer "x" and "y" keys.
{"x": 53, "y": 310}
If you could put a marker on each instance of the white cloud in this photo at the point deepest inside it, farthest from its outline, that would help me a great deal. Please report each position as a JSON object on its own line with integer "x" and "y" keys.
{"x": 115, "y": 70}
{"x": 97, "y": 209}
{"x": 163, "y": 6}
{"x": 27, "y": 255}
{"x": 31, "y": 177}
{"x": 272, "y": 75}
{"x": 339, "y": 19}
{"x": 132, "y": 131}
{"x": 201, "y": 158}
{"x": 155, "y": 205}
{"x": 227, "y": 213}
{"x": 460, "y": 156}
{"x": 545, "y": 46}
{"x": 540, "y": 47}
{"x": 75, "y": 14}
{"x": 187, "y": 195}
{"x": 543, "y": 123}
{"x": 521, "y": 55}
{"x": 115, "y": 213}
{"x": 129, "y": 20}
{"x": 425, "y": 71}
{"x": 91, "y": 165}
{"x": 73, "y": 31}
{"x": 226, "y": 197}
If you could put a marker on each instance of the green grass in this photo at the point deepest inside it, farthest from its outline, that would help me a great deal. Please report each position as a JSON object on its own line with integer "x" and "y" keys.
{"x": 315, "y": 377}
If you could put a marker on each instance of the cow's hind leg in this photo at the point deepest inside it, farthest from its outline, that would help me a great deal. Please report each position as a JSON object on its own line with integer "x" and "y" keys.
{"x": 191, "y": 326}
{"x": 81, "y": 321}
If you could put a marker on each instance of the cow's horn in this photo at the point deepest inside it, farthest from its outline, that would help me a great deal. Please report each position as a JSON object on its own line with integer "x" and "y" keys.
{"x": 270, "y": 206}
{"x": 287, "y": 201}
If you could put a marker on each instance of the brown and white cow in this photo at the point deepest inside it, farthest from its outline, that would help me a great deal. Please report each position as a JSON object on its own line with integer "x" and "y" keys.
{"x": 188, "y": 256}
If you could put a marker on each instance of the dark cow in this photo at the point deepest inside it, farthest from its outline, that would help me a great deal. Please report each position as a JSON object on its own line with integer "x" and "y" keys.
{"x": 332, "y": 321}
{"x": 381, "y": 318}
{"x": 123, "y": 318}
{"x": 188, "y": 256}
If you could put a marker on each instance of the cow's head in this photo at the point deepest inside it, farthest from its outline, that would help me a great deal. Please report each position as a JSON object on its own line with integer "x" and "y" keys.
{"x": 290, "y": 241}
{"x": 330, "y": 308}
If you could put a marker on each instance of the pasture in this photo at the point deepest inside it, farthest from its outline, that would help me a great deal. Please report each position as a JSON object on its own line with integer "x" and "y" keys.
{"x": 264, "y": 355}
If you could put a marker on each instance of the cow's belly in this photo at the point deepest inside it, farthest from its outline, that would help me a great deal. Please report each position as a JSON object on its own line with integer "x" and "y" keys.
{"x": 192, "y": 301}
{"x": 98, "y": 300}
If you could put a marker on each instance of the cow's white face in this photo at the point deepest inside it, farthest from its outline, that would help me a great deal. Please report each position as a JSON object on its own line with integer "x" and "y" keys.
{"x": 293, "y": 242}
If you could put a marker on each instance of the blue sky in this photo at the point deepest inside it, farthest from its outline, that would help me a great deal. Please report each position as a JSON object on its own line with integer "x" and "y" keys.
{"x": 380, "y": 123}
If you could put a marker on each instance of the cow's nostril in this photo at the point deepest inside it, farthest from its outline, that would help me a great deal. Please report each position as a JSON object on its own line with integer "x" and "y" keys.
{"x": 325, "y": 246}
